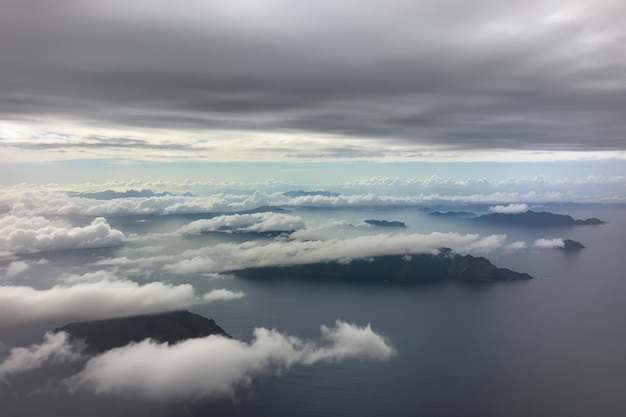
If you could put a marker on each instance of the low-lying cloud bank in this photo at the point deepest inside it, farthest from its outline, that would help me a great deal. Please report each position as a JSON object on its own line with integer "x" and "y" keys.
{"x": 246, "y": 223}
{"x": 97, "y": 296}
{"x": 38, "y": 234}
{"x": 26, "y": 200}
{"x": 216, "y": 366}
{"x": 39, "y": 202}
{"x": 234, "y": 256}
{"x": 212, "y": 366}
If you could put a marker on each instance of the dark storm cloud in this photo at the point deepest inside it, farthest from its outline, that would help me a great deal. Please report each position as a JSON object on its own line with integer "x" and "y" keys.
{"x": 480, "y": 74}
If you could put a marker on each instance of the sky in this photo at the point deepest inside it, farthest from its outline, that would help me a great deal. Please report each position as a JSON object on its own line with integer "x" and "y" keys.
{"x": 325, "y": 82}
{"x": 214, "y": 109}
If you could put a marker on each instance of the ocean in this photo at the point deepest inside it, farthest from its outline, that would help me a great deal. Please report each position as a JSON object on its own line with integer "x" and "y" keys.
{"x": 551, "y": 346}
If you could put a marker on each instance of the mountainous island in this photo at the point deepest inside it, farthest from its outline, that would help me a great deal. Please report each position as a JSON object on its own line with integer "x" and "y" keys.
{"x": 394, "y": 268}
{"x": 385, "y": 223}
{"x": 102, "y": 335}
{"x": 536, "y": 219}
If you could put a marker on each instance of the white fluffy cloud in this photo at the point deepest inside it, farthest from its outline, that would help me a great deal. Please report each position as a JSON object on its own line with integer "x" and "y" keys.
{"x": 510, "y": 209}
{"x": 16, "y": 268}
{"x": 222, "y": 294}
{"x": 549, "y": 243}
{"x": 519, "y": 245}
{"x": 95, "y": 296}
{"x": 56, "y": 347}
{"x": 37, "y": 234}
{"x": 246, "y": 223}
{"x": 217, "y": 366}
{"x": 232, "y": 256}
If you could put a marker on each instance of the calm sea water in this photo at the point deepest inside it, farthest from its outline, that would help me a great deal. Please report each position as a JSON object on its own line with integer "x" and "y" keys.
{"x": 551, "y": 346}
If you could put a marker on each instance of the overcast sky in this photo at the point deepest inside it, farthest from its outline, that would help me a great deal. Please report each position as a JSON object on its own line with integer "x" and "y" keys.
{"x": 233, "y": 80}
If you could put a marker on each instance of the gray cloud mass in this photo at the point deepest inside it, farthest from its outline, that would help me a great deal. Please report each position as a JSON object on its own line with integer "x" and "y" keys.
{"x": 480, "y": 74}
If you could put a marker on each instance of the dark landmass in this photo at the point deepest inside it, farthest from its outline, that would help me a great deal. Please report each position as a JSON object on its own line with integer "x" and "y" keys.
{"x": 536, "y": 219}
{"x": 395, "y": 268}
{"x": 442, "y": 208}
{"x": 572, "y": 245}
{"x": 301, "y": 193}
{"x": 453, "y": 214}
{"x": 266, "y": 233}
{"x": 385, "y": 223}
{"x": 262, "y": 209}
{"x": 112, "y": 195}
{"x": 102, "y": 335}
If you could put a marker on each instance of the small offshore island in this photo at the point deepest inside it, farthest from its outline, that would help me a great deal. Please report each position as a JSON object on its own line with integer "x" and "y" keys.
{"x": 395, "y": 268}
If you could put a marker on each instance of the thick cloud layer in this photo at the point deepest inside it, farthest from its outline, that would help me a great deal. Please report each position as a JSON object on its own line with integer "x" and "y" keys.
{"x": 37, "y": 234}
{"x": 96, "y": 296}
{"x": 388, "y": 78}
{"x": 217, "y": 366}
{"x": 246, "y": 223}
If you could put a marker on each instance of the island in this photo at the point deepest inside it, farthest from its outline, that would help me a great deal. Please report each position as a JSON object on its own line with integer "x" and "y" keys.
{"x": 102, "y": 335}
{"x": 536, "y": 219}
{"x": 569, "y": 244}
{"x": 394, "y": 268}
{"x": 385, "y": 223}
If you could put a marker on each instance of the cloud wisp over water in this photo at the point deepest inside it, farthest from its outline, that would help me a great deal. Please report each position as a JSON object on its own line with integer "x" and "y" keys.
{"x": 217, "y": 366}
{"x": 233, "y": 256}
{"x": 212, "y": 366}
{"x": 245, "y": 223}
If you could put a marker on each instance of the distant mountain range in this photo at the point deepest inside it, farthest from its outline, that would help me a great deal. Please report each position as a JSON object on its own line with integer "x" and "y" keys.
{"x": 102, "y": 335}
{"x": 301, "y": 193}
{"x": 532, "y": 218}
{"x": 395, "y": 268}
